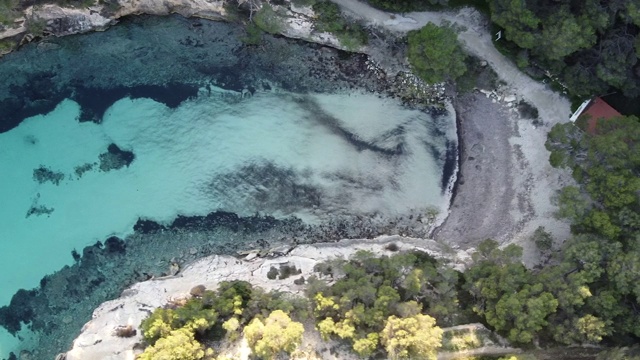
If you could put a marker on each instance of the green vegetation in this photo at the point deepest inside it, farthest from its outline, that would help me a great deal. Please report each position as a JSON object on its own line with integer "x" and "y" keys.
{"x": 178, "y": 344}
{"x": 329, "y": 19}
{"x": 414, "y": 337}
{"x": 435, "y": 55}
{"x": 275, "y": 335}
{"x": 253, "y": 34}
{"x": 268, "y": 20}
{"x": 378, "y": 302}
{"x": 9, "y": 10}
{"x": 478, "y": 75}
{"x": 590, "y": 47}
{"x": 603, "y": 257}
{"x": 6, "y": 45}
{"x": 186, "y": 330}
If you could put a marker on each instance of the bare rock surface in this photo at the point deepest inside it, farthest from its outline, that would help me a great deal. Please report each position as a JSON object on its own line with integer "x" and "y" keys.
{"x": 97, "y": 340}
{"x": 485, "y": 190}
{"x": 505, "y": 183}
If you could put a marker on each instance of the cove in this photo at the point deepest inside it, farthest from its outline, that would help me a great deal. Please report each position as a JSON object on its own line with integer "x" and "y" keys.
{"x": 165, "y": 117}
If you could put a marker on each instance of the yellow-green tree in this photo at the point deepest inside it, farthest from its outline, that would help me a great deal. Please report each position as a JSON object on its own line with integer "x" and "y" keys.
{"x": 178, "y": 345}
{"x": 415, "y": 337}
{"x": 276, "y": 334}
{"x": 366, "y": 346}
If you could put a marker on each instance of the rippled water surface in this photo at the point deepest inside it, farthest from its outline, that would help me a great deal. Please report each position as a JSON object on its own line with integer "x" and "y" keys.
{"x": 164, "y": 117}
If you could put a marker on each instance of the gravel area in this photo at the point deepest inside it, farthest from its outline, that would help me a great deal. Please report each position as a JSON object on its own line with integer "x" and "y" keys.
{"x": 506, "y": 184}
{"x": 485, "y": 190}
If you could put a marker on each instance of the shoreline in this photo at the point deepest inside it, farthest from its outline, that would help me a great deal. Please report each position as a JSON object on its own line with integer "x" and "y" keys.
{"x": 60, "y": 289}
{"x": 97, "y": 341}
{"x": 457, "y": 193}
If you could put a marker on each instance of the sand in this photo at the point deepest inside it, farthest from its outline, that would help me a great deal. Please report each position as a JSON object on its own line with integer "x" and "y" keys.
{"x": 508, "y": 182}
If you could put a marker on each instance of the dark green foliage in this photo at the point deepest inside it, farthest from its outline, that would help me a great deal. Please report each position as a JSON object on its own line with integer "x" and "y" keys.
{"x": 506, "y": 294}
{"x": 542, "y": 239}
{"x": 273, "y": 273}
{"x": 595, "y": 281}
{"x": 371, "y": 289}
{"x": 435, "y": 55}
{"x": 204, "y": 316}
{"x": 607, "y": 165}
{"x": 329, "y": 19}
{"x": 477, "y": 76}
{"x": 287, "y": 270}
{"x": 590, "y": 46}
{"x": 267, "y": 20}
{"x": 527, "y": 111}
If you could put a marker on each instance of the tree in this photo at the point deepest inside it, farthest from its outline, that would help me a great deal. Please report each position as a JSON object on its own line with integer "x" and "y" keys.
{"x": 158, "y": 325}
{"x": 415, "y": 337}
{"x": 278, "y": 333}
{"x": 366, "y": 346}
{"x": 522, "y": 314}
{"x": 607, "y": 167}
{"x": 592, "y": 329}
{"x": 435, "y": 55}
{"x": 179, "y": 344}
{"x": 520, "y": 23}
{"x": 563, "y": 35}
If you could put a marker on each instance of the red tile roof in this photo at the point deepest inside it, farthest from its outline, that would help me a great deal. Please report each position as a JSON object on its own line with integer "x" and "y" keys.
{"x": 598, "y": 109}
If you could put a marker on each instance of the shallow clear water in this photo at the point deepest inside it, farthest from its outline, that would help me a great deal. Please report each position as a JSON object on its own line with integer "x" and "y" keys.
{"x": 313, "y": 150}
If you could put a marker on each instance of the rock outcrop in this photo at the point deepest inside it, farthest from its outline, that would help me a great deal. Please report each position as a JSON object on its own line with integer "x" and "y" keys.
{"x": 99, "y": 340}
{"x": 53, "y": 20}
{"x": 61, "y": 21}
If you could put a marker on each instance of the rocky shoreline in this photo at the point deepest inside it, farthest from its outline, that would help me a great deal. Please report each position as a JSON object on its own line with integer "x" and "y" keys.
{"x": 196, "y": 244}
{"x": 65, "y": 300}
{"x": 96, "y": 340}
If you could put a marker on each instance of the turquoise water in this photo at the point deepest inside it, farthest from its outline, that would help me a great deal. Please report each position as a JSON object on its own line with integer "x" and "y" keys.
{"x": 310, "y": 150}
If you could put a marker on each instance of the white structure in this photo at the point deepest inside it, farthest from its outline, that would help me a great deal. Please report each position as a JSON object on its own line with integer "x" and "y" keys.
{"x": 580, "y": 110}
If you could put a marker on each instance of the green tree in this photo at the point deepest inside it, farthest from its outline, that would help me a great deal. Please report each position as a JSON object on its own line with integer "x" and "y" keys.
{"x": 607, "y": 167}
{"x": 435, "y": 55}
{"x": 179, "y": 344}
{"x": 366, "y": 346}
{"x": 415, "y": 337}
{"x": 563, "y": 34}
{"x": 158, "y": 325}
{"x": 520, "y": 23}
{"x": 592, "y": 329}
{"x": 278, "y": 333}
{"x": 522, "y": 314}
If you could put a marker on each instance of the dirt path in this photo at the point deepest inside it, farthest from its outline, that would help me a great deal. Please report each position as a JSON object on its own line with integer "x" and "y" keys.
{"x": 553, "y": 108}
{"x": 507, "y": 182}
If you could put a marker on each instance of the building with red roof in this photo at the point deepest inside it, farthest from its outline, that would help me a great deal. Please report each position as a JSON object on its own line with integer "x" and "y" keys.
{"x": 591, "y": 111}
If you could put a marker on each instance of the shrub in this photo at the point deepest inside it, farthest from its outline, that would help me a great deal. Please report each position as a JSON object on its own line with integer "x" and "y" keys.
{"x": 158, "y": 325}
{"x": 435, "y": 55}
{"x": 179, "y": 344}
{"x": 197, "y": 291}
{"x": 416, "y": 337}
{"x": 286, "y": 271}
{"x": 278, "y": 333}
{"x": 329, "y": 19}
{"x": 268, "y": 20}
{"x": 125, "y": 331}
{"x": 253, "y": 35}
{"x": 273, "y": 273}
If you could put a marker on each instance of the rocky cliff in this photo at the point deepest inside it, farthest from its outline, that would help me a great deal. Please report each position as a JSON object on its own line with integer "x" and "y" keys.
{"x": 53, "y": 20}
